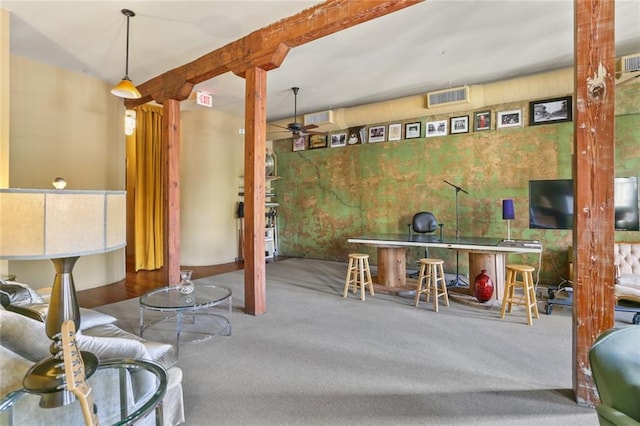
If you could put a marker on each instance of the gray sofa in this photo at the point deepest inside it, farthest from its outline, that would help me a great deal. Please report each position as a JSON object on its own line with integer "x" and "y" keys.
{"x": 23, "y": 342}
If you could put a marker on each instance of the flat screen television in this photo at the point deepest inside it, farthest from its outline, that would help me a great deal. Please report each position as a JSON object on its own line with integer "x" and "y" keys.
{"x": 551, "y": 204}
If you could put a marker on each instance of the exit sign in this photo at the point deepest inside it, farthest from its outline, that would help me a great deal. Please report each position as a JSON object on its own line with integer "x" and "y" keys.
{"x": 204, "y": 98}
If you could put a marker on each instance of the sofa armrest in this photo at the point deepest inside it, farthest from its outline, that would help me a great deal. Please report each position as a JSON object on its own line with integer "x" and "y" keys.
{"x": 610, "y": 416}
{"x": 36, "y": 311}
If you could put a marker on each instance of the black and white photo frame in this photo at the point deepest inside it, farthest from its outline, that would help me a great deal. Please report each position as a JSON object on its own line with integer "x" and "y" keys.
{"x": 435, "y": 128}
{"x": 556, "y": 110}
{"x": 459, "y": 124}
{"x": 511, "y": 118}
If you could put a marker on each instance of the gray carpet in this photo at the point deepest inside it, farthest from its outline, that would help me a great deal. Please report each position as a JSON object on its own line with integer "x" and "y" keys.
{"x": 317, "y": 359}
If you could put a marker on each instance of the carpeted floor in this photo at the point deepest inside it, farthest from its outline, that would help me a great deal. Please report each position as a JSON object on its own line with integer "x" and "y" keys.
{"x": 317, "y": 359}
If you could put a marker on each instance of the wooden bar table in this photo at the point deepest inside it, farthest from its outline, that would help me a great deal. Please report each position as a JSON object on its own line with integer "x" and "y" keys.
{"x": 484, "y": 253}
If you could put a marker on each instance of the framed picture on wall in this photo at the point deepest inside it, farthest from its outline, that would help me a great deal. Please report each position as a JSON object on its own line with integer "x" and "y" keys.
{"x": 356, "y": 135}
{"x": 557, "y": 110}
{"x": 435, "y": 128}
{"x": 317, "y": 141}
{"x": 512, "y": 118}
{"x": 299, "y": 143}
{"x": 395, "y": 132}
{"x": 459, "y": 124}
{"x": 412, "y": 130}
{"x": 482, "y": 121}
{"x": 339, "y": 139}
{"x": 377, "y": 134}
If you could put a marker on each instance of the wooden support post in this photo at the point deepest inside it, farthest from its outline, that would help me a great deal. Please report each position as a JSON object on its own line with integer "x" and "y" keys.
{"x": 249, "y": 57}
{"x": 255, "y": 149}
{"x": 593, "y": 175}
{"x": 392, "y": 267}
{"x": 171, "y": 146}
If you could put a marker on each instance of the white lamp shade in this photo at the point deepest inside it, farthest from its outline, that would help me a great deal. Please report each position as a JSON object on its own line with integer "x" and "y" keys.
{"x": 46, "y": 224}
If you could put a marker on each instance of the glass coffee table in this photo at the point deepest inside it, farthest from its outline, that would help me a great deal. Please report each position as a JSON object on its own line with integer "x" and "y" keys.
{"x": 125, "y": 391}
{"x": 195, "y": 314}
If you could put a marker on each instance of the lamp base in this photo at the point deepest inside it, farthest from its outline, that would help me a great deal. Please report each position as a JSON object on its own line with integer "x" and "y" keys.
{"x": 46, "y": 378}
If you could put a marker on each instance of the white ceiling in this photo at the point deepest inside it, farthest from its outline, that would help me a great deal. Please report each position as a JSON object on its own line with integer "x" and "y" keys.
{"x": 430, "y": 46}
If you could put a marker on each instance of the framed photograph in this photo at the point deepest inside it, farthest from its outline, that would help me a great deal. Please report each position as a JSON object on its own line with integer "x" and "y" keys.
{"x": 339, "y": 139}
{"x": 317, "y": 141}
{"x": 412, "y": 130}
{"x": 395, "y": 132}
{"x": 511, "y": 118}
{"x": 356, "y": 135}
{"x": 459, "y": 124}
{"x": 557, "y": 110}
{"x": 299, "y": 143}
{"x": 377, "y": 134}
{"x": 435, "y": 128}
{"x": 482, "y": 121}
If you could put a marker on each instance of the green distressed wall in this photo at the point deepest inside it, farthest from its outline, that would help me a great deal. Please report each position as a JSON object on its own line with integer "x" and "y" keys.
{"x": 328, "y": 195}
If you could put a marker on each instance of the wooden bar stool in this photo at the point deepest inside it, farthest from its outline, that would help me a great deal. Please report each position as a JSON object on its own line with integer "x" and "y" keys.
{"x": 432, "y": 273}
{"x": 528, "y": 296}
{"x": 358, "y": 275}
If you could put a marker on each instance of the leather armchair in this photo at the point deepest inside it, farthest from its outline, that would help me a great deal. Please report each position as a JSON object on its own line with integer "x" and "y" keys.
{"x": 615, "y": 365}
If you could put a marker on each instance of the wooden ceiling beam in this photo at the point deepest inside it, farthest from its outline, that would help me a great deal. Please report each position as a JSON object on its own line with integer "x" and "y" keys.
{"x": 267, "y": 47}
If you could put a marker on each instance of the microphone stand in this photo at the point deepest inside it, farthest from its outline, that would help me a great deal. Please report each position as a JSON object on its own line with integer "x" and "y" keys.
{"x": 457, "y": 282}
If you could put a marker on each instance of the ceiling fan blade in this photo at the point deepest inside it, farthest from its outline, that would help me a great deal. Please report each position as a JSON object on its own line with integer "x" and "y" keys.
{"x": 277, "y": 125}
{"x": 311, "y": 132}
{"x": 310, "y": 126}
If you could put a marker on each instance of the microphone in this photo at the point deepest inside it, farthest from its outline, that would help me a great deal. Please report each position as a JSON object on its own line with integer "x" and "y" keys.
{"x": 456, "y": 187}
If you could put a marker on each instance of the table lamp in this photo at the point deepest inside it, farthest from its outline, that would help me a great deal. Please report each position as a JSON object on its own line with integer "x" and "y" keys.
{"x": 59, "y": 225}
{"x": 508, "y": 214}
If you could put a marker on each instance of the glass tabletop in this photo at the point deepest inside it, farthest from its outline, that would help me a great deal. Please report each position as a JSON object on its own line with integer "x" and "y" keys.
{"x": 170, "y": 297}
{"x": 123, "y": 390}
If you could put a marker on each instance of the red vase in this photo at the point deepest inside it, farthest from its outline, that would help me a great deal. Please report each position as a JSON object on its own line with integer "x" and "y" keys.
{"x": 483, "y": 287}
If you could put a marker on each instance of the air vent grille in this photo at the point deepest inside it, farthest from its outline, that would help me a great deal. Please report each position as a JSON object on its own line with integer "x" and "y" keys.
{"x": 318, "y": 118}
{"x": 630, "y": 63}
{"x": 448, "y": 96}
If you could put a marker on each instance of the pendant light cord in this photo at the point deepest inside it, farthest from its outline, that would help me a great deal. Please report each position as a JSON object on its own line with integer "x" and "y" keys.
{"x": 126, "y": 66}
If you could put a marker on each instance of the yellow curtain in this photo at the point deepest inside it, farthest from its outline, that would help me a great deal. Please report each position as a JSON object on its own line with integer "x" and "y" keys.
{"x": 149, "y": 196}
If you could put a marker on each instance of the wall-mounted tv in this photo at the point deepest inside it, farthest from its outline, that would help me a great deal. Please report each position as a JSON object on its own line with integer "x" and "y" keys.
{"x": 551, "y": 204}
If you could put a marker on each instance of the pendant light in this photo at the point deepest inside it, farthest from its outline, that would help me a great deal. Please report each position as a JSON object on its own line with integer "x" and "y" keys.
{"x": 126, "y": 89}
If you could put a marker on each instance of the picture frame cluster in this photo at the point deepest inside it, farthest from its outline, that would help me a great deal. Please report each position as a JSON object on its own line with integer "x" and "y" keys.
{"x": 541, "y": 112}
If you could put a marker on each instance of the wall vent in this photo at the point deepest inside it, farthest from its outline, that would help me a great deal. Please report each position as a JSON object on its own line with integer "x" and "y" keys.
{"x": 629, "y": 63}
{"x": 448, "y": 96}
{"x": 319, "y": 118}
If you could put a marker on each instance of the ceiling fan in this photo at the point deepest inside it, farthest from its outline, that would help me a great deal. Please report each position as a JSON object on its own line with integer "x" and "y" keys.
{"x": 298, "y": 128}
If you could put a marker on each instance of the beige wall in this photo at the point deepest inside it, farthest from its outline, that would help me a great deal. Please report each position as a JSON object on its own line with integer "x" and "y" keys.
{"x": 68, "y": 124}
{"x": 539, "y": 86}
{"x": 212, "y": 159}
{"x": 4, "y": 110}
{"x": 65, "y": 124}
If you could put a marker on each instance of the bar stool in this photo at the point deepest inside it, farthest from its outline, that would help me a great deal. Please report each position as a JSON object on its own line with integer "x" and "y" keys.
{"x": 358, "y": 275}
{"x": 528, "y": 296}
{"x": 432, "y": 273}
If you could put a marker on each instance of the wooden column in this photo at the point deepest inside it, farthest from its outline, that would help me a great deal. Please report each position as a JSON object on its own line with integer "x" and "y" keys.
{"x": 392, "y": 268}
{"x": 249, "y": 57}
{"x": 593, "y": 174}
{"x": 171, "y": 147}
{"x": 255, "y": 149}
{"x": 493, "y": 264}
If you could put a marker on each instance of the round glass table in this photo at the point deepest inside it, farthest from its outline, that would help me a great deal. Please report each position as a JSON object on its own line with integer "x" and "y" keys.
{"x": 124, "y": 392}
{"x": 194, "y": 314}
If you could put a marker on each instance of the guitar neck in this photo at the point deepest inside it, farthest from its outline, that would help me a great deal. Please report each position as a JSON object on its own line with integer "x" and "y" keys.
{"x": 75, "y": 377}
